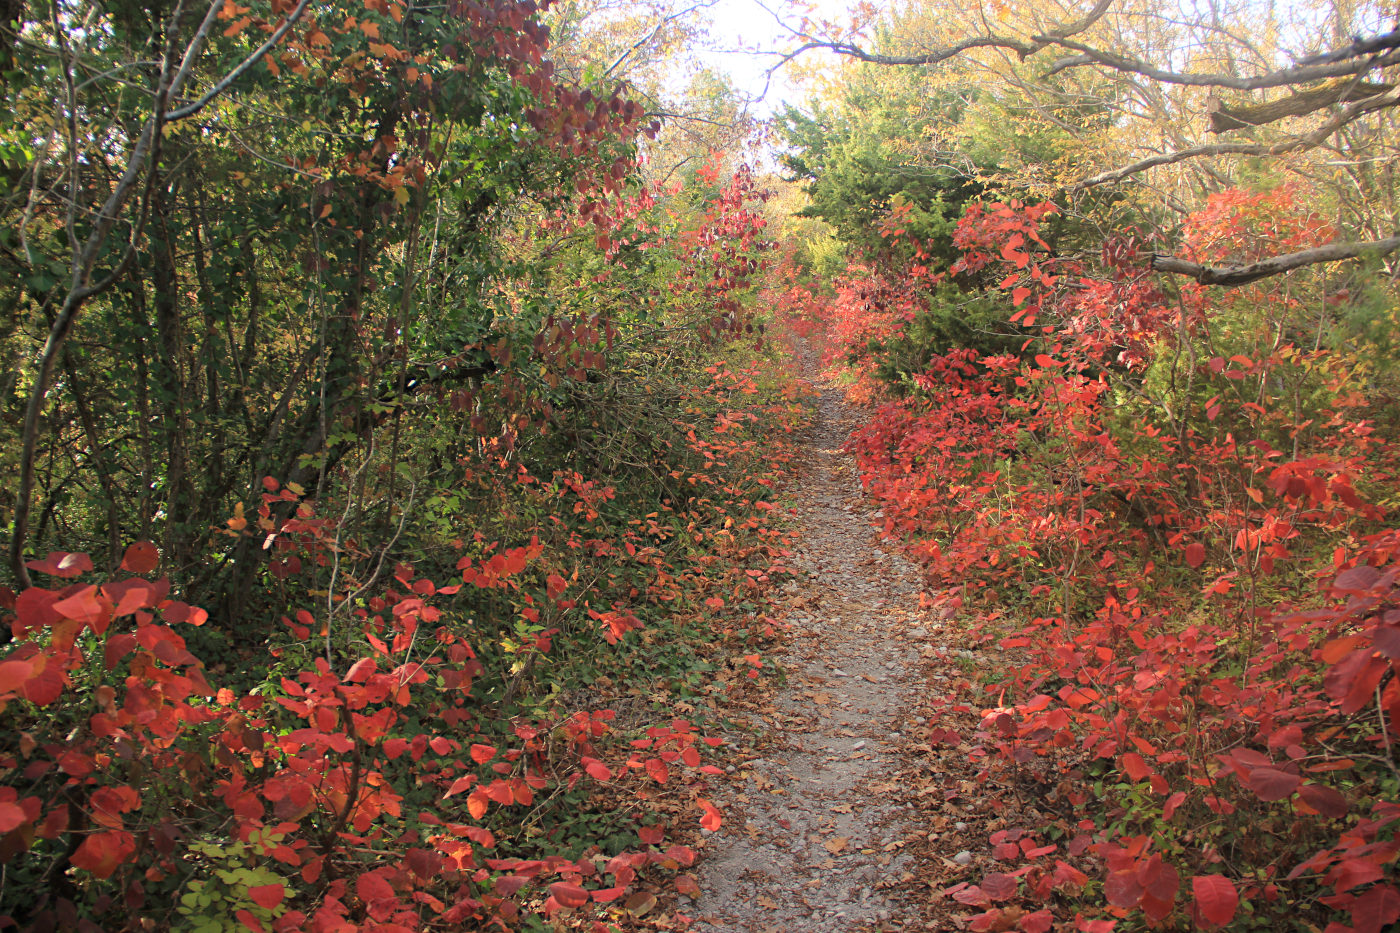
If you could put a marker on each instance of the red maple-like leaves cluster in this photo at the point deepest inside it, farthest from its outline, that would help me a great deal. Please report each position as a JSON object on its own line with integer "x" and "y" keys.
{"x": 1172, "y": 514}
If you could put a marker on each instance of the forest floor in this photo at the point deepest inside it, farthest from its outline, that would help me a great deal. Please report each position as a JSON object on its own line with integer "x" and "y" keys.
{"x": 843, "y": 816}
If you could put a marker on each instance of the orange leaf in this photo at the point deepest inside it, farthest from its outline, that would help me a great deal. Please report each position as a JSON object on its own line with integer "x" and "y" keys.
{"x": 711, "y": 820}
{"x": 102, "y": 853}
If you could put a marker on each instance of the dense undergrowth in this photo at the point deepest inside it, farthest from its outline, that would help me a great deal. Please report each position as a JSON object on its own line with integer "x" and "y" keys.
{"x": 486, "y": 736}
{"x": 450, "y": 668}
{"x": 1172, "y": 509}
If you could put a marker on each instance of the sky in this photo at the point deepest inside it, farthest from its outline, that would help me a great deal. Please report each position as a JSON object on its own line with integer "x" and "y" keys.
{"x": 744, "y": 29}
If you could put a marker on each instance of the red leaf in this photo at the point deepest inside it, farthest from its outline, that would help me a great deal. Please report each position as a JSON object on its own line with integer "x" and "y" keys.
{"x": 1354, "y": 580}
{"x": 597, "y": 770}
{"x": 142, "y": 557}
{"x": 1353, "y": 873}
{"x": 1216, "y": 899}
{"x": 1067, "y": 874}
{"x": 1020, "y": 294}
{"x": 84, "y": 606}
{"x": 102, "y": 853}
{"x": 459, "y": 785}
{"x": 482, "y": 753}
{"x": 14, "y": 673}
{"x": 1273, "y": 784}
{"x": 12, "y": 815}
{"x": 45, "y": 684}
{"x": 1122, "y": 889}
{"x": 267, "y": 896}
{"x": 1376, "y": 909}
{"x": 1195, "y": 554}
{"x": 568, "y": 895}
{"x": 360, "y": 670}
{"x": 1042, "y": 921}
{"x": 1353, "y": 680}
{"x": 971, "y": 895}
{"x": 1325, "y": 800}
{"x": 424, "y": 863}
{"x": 62, "y": 564}
{"x": 1135, "y": 766}
{"x": 373, "y": 887}
{"x": 999, "y": 886}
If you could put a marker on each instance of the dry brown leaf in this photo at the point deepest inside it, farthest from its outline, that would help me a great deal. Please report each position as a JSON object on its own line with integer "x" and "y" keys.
{"x": 640, "y": 903}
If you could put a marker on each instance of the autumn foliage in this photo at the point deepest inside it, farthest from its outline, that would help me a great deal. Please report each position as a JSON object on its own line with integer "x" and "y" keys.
{"x": 378, "y": 791}
{"x": 1171, "y": 511}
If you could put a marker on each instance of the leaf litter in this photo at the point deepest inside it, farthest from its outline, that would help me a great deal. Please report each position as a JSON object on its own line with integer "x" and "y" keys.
{"x": 816, "y": 836}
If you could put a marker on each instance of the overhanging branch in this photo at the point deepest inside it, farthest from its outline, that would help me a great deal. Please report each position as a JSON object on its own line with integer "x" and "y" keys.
{"x": 1230, "y": 276}
{"x": 1389, "y": 98}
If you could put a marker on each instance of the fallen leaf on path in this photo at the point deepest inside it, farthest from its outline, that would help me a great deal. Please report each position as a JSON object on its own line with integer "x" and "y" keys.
{"x": 640, "y": 903}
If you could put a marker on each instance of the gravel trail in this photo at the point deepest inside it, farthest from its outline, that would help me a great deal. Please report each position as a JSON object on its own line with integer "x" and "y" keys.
{"x": 812, "y": 840}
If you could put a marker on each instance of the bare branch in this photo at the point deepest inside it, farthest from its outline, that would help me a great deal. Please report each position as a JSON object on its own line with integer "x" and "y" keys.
{"x": 223, "y": 83}
{"x": 1171, "y": 158}
{"x": 1311, "y": 140}
{"x": 144, "y": 155}
{"x": 1277, "y": 265}
{"x": 1225, "y": 117}
{"x": 1357, "y": 58}
{"x": 1022, "y": 49}
{"x": 1343, "y": 63}
{"x": 645, "y": 40}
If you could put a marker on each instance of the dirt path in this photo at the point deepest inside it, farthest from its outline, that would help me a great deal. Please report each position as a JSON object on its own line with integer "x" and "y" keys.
{"x": 812, "y": 841}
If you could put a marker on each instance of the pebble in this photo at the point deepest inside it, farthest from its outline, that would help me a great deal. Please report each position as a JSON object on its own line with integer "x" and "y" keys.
{"x": 837, "y": 672}
{"x": 960, "y": 826}
{"x": 858, "y": 746}
{"x": 962, "y": 858}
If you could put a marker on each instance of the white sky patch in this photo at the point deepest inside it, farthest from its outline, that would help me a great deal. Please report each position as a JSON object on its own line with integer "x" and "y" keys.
{"x": 746, "y": 42}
